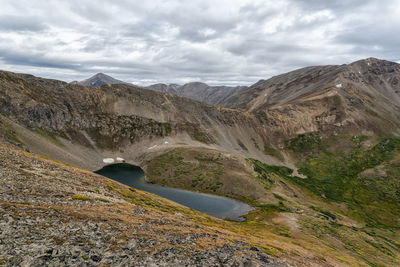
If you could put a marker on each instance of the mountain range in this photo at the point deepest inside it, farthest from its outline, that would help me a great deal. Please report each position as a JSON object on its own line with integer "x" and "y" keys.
{"x": 315, "y": 150}
{"x": 214, "y": 95}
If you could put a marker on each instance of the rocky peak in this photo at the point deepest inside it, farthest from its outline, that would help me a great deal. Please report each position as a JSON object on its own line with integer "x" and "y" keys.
{"x": 99, "y": 79}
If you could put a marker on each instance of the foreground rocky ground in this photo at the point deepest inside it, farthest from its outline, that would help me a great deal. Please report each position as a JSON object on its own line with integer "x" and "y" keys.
{"x": 55, "y": 215}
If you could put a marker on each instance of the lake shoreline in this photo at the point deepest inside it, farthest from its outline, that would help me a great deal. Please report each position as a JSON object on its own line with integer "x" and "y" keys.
{"x": 215, "y": 205}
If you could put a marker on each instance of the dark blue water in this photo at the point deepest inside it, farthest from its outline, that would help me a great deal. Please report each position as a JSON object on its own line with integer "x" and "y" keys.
{"x": 220, "y": 207}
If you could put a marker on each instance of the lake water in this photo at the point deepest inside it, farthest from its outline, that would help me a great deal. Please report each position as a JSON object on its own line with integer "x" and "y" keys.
{"x": 217, "y": 206}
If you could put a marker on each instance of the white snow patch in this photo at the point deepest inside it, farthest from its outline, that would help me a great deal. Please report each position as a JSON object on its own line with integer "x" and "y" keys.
{"x": 120, "y": 159}
{"x": 369, "y": 64}
{"x": 339, "y": 85}
{"x": 108, "y": 160}
{"x": 152, "y": 147}
{"x": 166, "y": 142}
{"x": 359, "y": 72}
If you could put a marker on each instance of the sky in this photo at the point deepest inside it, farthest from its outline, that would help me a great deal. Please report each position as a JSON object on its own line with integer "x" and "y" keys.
{"x": 230, "y": 42}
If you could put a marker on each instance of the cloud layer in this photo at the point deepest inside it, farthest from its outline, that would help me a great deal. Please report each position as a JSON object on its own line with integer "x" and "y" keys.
{"x": 176, "y": 41}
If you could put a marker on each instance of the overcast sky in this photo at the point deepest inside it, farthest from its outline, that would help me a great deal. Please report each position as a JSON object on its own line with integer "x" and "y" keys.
{"x": 214, "y": 41}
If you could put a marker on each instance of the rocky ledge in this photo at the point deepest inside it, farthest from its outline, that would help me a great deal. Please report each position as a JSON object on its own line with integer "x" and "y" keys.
{"x": 56, "y": 215}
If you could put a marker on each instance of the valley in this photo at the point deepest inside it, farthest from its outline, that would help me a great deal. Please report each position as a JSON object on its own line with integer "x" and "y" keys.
{"x": 315, "y": 151}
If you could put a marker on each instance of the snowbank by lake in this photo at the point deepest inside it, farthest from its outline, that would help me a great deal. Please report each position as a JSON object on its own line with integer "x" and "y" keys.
{"x": 108, "y": 160}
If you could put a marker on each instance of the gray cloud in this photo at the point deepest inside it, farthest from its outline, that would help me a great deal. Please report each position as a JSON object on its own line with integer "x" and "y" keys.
{"x": 220, "y": 42}
{"x": 19, "y": 23}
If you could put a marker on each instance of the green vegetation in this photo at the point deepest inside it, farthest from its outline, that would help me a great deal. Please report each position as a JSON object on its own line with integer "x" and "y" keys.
{"x": 358, "y": 139}
{"x": 102, "y": 199}
{"x": 284, "y": 231}
{"x": 337, "y": 176}
{"x": 13, "y": 136}
{"x": 304, "y": 142}
{"x": 273, "y": 207}
{"x": 50, "y": 137}
{"x": 198, "y": 134}
{"x": 188, "y": 170}
{"x": 266, "y": 172}
{"x": 263, "y": 168}
{"x": 167, "y": 127}
{"x": 272, "y": 152}
{"x": 327, "y": 214}
{"x": 78, "y": 197}
{"x": 279, "y": 197}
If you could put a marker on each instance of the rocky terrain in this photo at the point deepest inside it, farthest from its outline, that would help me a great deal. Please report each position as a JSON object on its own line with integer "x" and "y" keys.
{"x": 214, "y": 95}
{"x": 55, "y": 215}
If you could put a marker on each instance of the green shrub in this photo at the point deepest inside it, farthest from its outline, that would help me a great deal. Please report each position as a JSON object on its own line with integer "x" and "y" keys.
{"x": 263, "y": 168}
{"x": 273, "y": 207}
{"x": 78, "y": 197}
{"x": 324, "y": 212}
{"x": 304, "y": 142}
{"x": 102, "y": 199}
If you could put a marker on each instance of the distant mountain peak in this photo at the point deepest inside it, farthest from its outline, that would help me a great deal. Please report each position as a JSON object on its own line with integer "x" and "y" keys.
{"x": 99, "y": 79}
{"x": 199, "y": 91}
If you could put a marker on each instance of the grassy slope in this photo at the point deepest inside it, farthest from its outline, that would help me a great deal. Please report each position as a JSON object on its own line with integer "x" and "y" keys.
{"x": 330, "y": 214}
{"x": 338, "y": 176}
{"x": 205, "y": 170}
{"x": 362, "y": 175}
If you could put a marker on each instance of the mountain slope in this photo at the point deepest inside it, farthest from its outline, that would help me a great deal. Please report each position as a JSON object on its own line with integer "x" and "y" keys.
{"x": 98, "y": 79}
{"x": 365, "y": 93}
{"x": 214, "y": 95}
{"x": 51, "y": 214}
{"x": 110, "y": 118}
{"x": 379, "y": 75}
{"x": 334, "y": 203}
